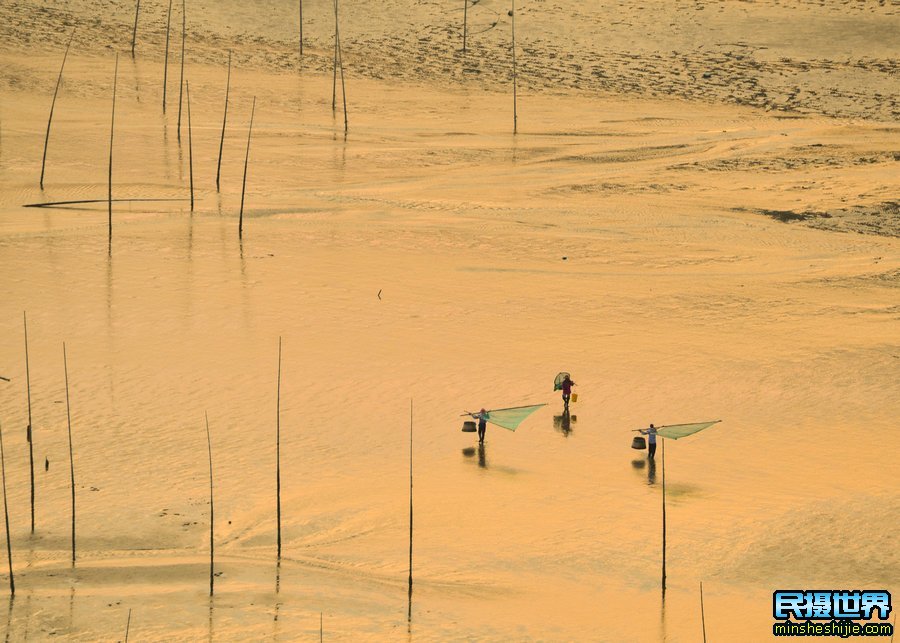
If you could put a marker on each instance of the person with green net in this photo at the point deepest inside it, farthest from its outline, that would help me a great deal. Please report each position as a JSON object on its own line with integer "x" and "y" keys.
{"x": 566, "y": 386}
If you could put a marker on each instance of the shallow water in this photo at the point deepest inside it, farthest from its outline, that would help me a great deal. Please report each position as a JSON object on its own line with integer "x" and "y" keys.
{"x": 431, "y": 256}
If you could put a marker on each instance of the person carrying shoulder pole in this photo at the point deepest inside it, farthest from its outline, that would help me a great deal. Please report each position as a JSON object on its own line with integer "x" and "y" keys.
{"x": 651, "y": 439}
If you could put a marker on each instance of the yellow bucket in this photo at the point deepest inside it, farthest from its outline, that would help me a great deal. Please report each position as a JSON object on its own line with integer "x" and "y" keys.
{"x": 574, "y": 397}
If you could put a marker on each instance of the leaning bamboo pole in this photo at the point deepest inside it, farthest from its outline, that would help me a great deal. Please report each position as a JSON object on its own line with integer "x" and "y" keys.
{"x": 190, "y": 144}
{"x": 212, "y": 515}
{"x": 30, "y": 430}
{"x": 515, "y": 80}
{"x": 181, "y": 79}
{"x": 278, "y": 451}
{"x": 52, "y": 105}
{"x": 112, "y": 126}
{"x": 465, "y": 22}
{"x": 71, "y": 450}
{"x": 137, "y": 12}
{"x": 166, "y": 63}
{"x": 409, "y": 595}
{"x": 12, "y": 582}
{"x": 246, "y": 163}
{"x": 224, "y": 121}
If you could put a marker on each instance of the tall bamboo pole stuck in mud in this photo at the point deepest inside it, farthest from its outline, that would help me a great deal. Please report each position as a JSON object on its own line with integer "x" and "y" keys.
{"x": 181, "y": 79}
{"x": 301, "y": 28}
{"x": 341, "y": 62}
{"x": 409, "y": 597}
{"x": 278, "y": 450}
{"x": 224, "y": 120}
{"x": 246, "y": 162}
{"x": 664, "y": 516}
{"x": 166, "y": 63}
{"x": 12, "y": 582}
{"x": 112, "y": 127}
{"x": 190, "y": 144}
{"x": 127, "y": 625}
{"x": 515, "y": 80}
{"x": 137, "y": 12}
{"x": 29, "y": 432}
{"x": 71, "y": 450}
{"x": 465, "y": 22}
{"x": 212, "y": 514}
{"x": 52, "y": 105}
{"x": 334, "y": 70}
{"x": 702, "y": 613}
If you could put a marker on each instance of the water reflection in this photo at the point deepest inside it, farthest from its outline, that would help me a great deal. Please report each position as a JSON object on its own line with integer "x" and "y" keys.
{"x": 9, "y": 616}
{"x": 480, "y": 451}
{"x": 650, "y": 465}
{"x": 563, "y": 423}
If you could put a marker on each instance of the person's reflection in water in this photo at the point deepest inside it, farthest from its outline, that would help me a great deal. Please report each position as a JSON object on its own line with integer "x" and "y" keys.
{"x": 471, "y": 451}
{"x": 563, "y": 423}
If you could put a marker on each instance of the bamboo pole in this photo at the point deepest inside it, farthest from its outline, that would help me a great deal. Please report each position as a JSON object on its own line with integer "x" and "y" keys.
{"x": 335, "y": 65}
{"x": 166, "y": 63}
{"x": 53, "y": 104}
{"x": 409, "y": 598}
{"x": 190, "y": 143}
{"x": 30, "y": 430}
{"x": 465, "y": 22}
{"x": 128, "y": 625}
{"x": 663, "y": 515}
{"x": 278, "y": 451}
{"x": 224, "y": 120}
{"x": 341, "y": 63}
{"x": 181, "y": 79}
{"x": 246, "y": 162}
{"x": 12, "y": 582}
{"x": 137, "y": 12}
{"x": 515, "y": 112}
{"x": 702, "y": 613}
{"x": 71, "y": 451}
{"x": 112, "y": 126}
{"x": 301, "y": 28}
{"x": 212, "y": 515}
{"x": 54, "y": 204}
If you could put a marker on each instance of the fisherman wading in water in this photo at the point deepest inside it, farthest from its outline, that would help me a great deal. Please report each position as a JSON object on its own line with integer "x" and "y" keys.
{"x": 651, "y": 439}
{"x": 566, "y": 387}
{"x": 481, "y": 416}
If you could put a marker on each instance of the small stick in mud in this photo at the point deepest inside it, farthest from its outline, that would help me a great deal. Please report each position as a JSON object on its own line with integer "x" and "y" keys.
{"x": 137, "y": 11}
{"x": 12, "y": 582}
{"x": 181, "y": 79}
{"x": 212, "y": 515}
{"x": 224, "y": 120}
{"x": 278, "y": 451}
{"x": 246, "y": 163}
{"x": 166, "y": 63}
{"x": 71, "y": 451}
{"x": 190, "y": 144}
{"x": 52, "y": 105}
{"x": 127, "y": 625}
{"x": 30, "y": 430}
{"x": 112, "y": 127}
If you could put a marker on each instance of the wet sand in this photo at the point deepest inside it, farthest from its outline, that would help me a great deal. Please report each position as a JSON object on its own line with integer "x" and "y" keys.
{"x": 683, "y": 259}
